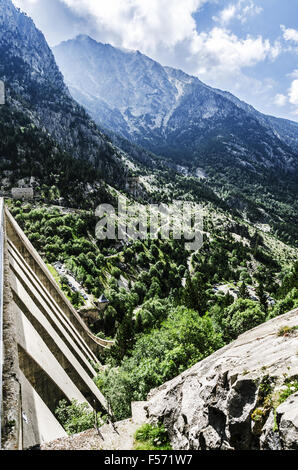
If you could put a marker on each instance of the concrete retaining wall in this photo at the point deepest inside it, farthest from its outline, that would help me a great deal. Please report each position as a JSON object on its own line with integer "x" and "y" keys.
{"x": 49, "y": 352}
{"x": 11, "y": 400}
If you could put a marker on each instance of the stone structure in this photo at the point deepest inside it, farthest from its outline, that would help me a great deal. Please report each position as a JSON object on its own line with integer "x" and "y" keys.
{"x": 232, "y": 399}
{"x": 102, "y": 303}
{"x": 25, "y": 194}
{"x": 48, "y": 349}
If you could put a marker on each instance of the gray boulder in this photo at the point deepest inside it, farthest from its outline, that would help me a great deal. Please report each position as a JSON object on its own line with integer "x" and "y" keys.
{"x": 231, "y": 400}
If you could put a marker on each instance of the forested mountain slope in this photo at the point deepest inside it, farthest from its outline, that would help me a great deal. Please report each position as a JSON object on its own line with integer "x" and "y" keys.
{"x": 168, "y": 307}
{"x": 170, "y": 112}
{"x": 248, "y": 159}
{"x": 35, "y": 89}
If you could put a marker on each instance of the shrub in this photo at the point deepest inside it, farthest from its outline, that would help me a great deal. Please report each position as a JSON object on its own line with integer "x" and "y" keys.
{"x": 76, "y": 417}
{"x": 149, "y": 437}
{"x": 291, "y": 387}
{"x": 239, "y": 317}
{"x": 287, "y": 331}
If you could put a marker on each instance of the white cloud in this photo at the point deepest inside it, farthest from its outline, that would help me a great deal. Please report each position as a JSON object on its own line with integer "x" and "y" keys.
{"x": 144, "y": 25}
{"x": 222, "y": 50}
{"x": 293, "y": 74}
{"x": 293, "y": 93}
{"x": 280, "y": 100}
{"x": 289, "y": 34}
{"x": 226, "y": 15}
{"x": 292, "y": 97}
{"x": 241, "y": 10}
{"x": 20, "y": 3}
{"x": 248, "y": 10}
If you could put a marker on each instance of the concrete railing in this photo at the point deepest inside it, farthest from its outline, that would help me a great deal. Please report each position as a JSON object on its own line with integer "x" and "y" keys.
{"x": 19, "y": 239}
{"x": 48, "y": 350}
{"x": 11, "y": 408}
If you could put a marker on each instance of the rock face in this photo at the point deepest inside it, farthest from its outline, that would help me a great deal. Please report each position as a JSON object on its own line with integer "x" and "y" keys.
{"x": 241, "y": 397}
{"x": 35, "y": 88}
{"x": 170, "y": 112}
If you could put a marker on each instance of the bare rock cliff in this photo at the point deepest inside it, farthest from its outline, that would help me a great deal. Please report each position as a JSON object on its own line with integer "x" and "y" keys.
{"x": 34, "y": 87}
{"x": 244, "y": 396}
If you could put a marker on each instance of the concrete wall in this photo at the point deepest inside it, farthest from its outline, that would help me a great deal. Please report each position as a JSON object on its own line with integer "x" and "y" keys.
{"x": 27, "y": 251}
{"x": 11, "y": 399}
{"x": 49, "y": 350}
{"x": 22, "y": 193}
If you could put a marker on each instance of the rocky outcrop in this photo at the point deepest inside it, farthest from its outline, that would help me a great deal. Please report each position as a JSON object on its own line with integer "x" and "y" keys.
{"x": 170, "y": 112}
{"x": 241, "y": 397}
{"x": 35, "y": 88}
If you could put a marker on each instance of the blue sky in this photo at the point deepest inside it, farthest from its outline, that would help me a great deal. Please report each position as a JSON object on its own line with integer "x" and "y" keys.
{"x": 248, "y": 47}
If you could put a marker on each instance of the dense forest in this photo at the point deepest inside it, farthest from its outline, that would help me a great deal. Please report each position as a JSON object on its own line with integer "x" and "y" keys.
{"x": 168, "y": 307}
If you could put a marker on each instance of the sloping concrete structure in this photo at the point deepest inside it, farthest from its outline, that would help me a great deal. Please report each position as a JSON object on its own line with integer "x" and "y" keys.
{"x": 48, "y": 351}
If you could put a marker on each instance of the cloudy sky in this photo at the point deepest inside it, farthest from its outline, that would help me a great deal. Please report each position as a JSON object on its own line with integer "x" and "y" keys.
{"x": 248, "y": 47}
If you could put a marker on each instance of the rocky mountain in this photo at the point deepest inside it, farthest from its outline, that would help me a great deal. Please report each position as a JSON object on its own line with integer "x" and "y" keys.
{"x": 36, "y": 93}
{"x": 172, "y": 113}
{"x": 244, "y": 396}
{"x": 248, "y": 159}
{"x": 147, "y": 109}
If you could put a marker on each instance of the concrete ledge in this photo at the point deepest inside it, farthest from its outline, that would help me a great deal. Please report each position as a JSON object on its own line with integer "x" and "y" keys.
{"x": 11, "y": 406}
{"x": 26, "y": 249}
{"x": 48, "y": 350}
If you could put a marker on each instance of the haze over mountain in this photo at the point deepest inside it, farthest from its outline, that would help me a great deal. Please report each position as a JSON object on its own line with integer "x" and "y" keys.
{"x": 207, "y": 133}
{"x": 38, "y": 99}
{"x": 172, "y": 113}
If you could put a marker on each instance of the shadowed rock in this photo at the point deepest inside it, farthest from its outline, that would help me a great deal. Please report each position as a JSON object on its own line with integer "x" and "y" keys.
{"x": 231, "y": 400}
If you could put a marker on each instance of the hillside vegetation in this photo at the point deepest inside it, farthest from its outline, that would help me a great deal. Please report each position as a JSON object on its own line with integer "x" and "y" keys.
{"x": 167, "y": 310}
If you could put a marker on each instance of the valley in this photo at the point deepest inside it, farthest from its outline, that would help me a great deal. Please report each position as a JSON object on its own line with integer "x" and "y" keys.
{"x": 86, "y": 123}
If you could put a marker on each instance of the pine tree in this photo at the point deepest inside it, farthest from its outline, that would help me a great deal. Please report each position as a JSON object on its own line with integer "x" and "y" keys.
{"x": 262, "y": 297}
{"x": 243, "y": 291}
{"x": 195, "y": 296}
{"x": 124, "y": 339}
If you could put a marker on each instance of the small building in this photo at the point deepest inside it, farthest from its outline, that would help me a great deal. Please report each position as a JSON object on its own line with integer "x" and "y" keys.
{"x": 26, "y": 194}
{"x": 103, "y": 302}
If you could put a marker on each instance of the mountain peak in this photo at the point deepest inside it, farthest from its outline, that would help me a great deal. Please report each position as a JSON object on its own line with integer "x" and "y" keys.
{"x": 170, "y": 112}
{"x": 35, "y": 88}
{"x": 88, "y": 40}
{"x": 84, "y": 38}
{"x": 28, "y": 45}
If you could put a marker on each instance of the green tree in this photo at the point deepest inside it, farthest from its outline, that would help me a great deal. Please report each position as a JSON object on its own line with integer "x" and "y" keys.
{"x": 243, "y": 291}
{"x": 195, "y": 293}
{"x": 262, "y": 297}
{"x": 124, "y": 339}
{"x": 239, "y": 317}
{"x": 76, "y": 417}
